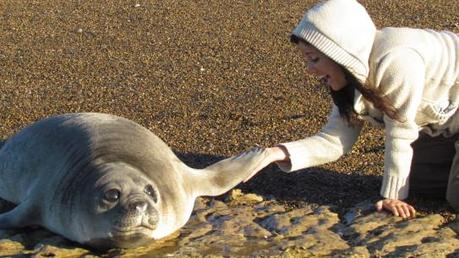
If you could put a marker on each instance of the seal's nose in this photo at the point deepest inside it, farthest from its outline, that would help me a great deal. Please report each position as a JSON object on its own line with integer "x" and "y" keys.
{"x": 140, "y": 206}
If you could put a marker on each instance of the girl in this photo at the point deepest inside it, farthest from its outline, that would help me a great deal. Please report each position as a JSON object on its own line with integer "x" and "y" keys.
{"x": 404, "y": 79}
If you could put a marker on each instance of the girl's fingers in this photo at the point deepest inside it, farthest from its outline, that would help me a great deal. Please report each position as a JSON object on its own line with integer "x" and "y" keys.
{"x": 397, "y": 207}
{"x": 394, "y": 210}
{"x": 379, "y": 205}
{"x": 412, "y": 211}
{"x": 404, "y": 210}
{"x": 408, "y": 211}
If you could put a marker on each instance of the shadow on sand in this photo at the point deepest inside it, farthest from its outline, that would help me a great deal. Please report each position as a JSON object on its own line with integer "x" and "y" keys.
{"x": 317, "y": 185}
{"x": 313, "y": 185}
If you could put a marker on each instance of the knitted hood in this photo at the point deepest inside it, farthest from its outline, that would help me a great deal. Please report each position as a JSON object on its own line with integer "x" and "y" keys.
{"x": 342, "y": 30}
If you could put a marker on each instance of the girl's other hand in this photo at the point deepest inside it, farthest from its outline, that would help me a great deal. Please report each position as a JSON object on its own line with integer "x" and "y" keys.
{"x": 397, "y": 207}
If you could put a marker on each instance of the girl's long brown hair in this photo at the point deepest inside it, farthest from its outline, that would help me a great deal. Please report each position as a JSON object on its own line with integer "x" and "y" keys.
{"x": 379, "y": 101}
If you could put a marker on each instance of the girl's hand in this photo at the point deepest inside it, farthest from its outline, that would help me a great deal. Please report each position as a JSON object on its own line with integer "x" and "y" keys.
{"x": 397, "y": 207}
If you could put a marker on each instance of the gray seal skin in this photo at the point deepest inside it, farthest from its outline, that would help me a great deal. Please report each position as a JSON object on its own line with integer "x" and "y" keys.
{"x": 105, "y": 181}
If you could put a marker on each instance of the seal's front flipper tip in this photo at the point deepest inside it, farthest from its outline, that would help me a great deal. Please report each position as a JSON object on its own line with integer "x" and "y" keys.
{"x": 226, "y": 174}
{"x": 250, "y": 176}
{"x": 254, "y": 160}
{"x": 249, "y": 153}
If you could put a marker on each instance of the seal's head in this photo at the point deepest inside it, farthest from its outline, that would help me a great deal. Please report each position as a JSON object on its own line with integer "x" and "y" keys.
{"x": 119, "y": 210}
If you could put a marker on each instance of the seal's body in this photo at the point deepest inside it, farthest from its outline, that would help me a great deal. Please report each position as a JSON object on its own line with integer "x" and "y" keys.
{"x": 106, "y": 181}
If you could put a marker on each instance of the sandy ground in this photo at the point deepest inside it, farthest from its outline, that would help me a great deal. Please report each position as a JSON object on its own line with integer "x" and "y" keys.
{"x": 211, "y": 78}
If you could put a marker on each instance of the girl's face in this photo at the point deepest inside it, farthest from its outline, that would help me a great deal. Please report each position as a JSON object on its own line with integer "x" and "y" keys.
{"x": 328, "y": 71}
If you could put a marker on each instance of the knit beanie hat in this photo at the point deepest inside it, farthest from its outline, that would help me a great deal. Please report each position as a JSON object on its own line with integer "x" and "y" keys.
{"x": 342, "y": 30}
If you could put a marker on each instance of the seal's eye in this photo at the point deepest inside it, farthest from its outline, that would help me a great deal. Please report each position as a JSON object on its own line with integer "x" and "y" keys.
{"x": 112, "y": 195}
{"x": 151, "y": 192}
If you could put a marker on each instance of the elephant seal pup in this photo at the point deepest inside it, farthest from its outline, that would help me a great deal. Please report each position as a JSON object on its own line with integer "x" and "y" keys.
{"x": 105, "y": 181}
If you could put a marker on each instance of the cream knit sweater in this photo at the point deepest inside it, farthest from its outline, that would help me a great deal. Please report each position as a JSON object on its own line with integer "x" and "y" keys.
{"x": 418, "y": 70}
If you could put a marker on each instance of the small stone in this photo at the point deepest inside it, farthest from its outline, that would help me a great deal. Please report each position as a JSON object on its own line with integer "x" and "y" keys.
{"x": 253, "y": 198}
{"x": 9, "y": 247}
{"x": 235, "y": 193}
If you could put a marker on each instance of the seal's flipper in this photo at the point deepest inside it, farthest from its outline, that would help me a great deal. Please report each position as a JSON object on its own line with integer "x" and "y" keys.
{"x": 22, "y": 215}
{"x": 220, "y": 177}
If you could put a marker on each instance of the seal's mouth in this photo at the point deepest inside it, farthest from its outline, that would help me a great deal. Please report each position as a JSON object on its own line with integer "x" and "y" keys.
{"x": 123, "y": 237}
{"x": 126, "y": 237}
{"x": 143, "y": 228}
{"x": 134, "y": 224}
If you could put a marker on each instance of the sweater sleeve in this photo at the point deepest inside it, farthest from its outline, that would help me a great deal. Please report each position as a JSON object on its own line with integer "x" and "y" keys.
{"x": 400, "y": 76}
{"x": 333, "y": 140}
